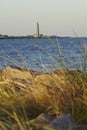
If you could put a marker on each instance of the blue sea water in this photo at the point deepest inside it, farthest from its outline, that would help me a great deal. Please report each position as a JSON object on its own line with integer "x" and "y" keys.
{"x": 44, "y": 54}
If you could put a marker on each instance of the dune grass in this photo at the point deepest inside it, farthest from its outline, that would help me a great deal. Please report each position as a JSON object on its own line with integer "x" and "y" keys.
{"x": 59, "y": 92}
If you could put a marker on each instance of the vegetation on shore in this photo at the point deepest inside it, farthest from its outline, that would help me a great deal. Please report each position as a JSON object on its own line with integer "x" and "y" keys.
{"x": 25, "y": 94}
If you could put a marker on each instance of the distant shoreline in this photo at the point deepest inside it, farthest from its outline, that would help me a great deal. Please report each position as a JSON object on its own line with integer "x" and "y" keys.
{"x": 29, "y": 36}
{"x": 18, "y": 37}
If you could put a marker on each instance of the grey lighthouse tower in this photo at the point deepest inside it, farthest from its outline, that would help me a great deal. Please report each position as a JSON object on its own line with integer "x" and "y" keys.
{"x": 37, "y": 30}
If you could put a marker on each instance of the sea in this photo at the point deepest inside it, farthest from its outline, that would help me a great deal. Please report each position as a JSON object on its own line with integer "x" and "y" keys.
{"x": 44, "y": 54}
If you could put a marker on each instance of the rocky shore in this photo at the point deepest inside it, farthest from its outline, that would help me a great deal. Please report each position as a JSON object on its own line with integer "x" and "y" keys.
{"x": 62, "y": 122}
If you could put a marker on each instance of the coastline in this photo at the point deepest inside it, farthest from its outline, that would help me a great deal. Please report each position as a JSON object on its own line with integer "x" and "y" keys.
{"x": 32, "y": 36}
{"x": 29, "y": 37}
{"x": 18, "y": 37}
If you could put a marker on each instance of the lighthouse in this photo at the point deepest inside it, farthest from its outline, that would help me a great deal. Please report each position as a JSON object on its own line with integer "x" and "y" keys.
{"x": 37, "y": 30}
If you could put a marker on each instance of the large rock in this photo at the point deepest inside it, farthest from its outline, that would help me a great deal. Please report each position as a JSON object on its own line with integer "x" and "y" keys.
{"x": 14, "y": 72}
{"x": 40, "y": 122}
{"x": 20, "y": 78}
{"x": 44, "y": 118}
{"x": 63, "y": 122}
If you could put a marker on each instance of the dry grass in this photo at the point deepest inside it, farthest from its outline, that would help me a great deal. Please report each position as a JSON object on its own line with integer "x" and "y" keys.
{"x": 23, "y": 95}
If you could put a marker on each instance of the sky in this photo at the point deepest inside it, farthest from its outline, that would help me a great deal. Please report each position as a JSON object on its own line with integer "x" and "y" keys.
{"x": 55, "y": 17}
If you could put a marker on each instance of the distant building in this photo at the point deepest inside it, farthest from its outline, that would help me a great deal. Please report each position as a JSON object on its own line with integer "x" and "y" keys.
{"x": 37, "y": 31}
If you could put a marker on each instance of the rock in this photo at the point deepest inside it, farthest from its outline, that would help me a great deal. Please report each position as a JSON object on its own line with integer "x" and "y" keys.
{"x": 35, "y": 73}
{"x": 11, "y": 73}
{"x": 40, "y": 122}
{"x": 63, "y": 122}
{"x": 44, "y": 118}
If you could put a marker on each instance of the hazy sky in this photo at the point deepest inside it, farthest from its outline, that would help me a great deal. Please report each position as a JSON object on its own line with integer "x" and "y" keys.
{"x": 60, "y": 17}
